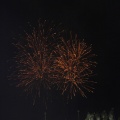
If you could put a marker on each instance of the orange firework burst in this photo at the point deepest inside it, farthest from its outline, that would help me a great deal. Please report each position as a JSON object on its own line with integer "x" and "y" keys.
{"x": 73, "y": 66}
{"x": 34, "y": 60}
{"x": 69, "y": 68}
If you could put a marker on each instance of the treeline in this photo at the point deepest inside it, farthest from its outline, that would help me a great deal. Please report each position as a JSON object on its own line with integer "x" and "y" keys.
{"x": 102, "y": 116}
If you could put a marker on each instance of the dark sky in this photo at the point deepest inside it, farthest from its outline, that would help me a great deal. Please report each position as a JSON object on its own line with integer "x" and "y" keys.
{"x": 96, "y": 21}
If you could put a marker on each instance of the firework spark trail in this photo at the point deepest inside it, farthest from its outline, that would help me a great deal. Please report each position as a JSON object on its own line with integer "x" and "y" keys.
{"x": 73, "y": 66}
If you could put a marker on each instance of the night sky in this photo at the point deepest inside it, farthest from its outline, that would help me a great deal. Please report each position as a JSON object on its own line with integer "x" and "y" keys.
{"x": 95, "y": 21}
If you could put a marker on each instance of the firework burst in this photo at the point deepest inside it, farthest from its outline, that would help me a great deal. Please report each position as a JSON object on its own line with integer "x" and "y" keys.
{"x": 73, "y": 66}
{"x": 70, "y": 67}
{"x": 34, "y": 60}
